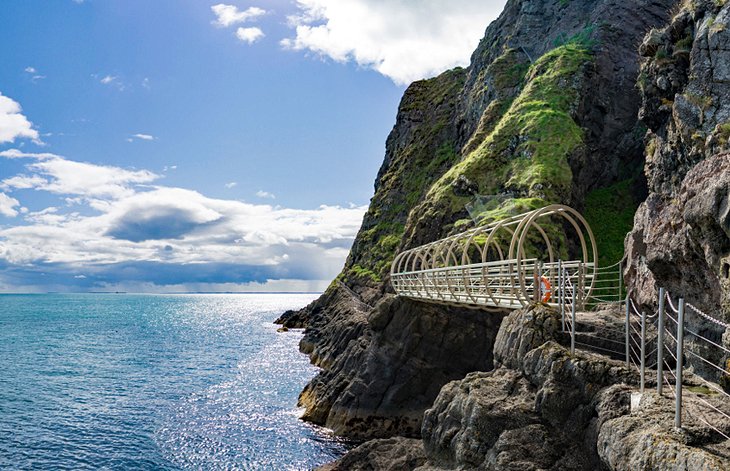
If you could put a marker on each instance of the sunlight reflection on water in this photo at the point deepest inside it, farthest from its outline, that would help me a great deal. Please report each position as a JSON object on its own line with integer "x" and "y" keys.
{"x": 154, "y": 382}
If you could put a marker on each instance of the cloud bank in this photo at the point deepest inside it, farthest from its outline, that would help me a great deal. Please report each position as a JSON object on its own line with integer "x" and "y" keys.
{"x": 119, "y": 228}
{"x": 401, "y": 39}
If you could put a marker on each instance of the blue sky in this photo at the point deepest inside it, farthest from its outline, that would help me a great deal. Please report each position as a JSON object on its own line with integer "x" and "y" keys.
{"x": 193, "y": 145}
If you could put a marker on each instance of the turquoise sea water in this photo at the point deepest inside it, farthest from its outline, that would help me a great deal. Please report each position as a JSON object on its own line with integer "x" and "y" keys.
{"x": 105, "y": 381}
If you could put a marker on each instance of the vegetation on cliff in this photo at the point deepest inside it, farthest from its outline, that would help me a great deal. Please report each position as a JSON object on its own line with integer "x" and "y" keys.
{"x": 415, "y": 157}
{"x": 545, "y": 113}
{"x": 527, "y": 152}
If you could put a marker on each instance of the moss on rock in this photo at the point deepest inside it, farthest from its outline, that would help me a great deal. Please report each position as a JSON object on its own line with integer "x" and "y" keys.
{"x": 610, "y": 213}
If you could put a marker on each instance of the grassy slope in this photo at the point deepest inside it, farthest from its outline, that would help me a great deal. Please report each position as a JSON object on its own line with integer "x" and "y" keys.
{"x": 427, "y": 109}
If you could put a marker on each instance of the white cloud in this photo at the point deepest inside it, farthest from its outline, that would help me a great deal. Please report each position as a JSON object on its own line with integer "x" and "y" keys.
{"x": 146, "y": 83}
{"x": 13, "y": 124}
{"x": 35, "y": 76}
{"x": 7, "y": 205}
{"x": 58, "y": 175}
{"x": 203, "y": 230}
{"x": 228, "y": 15}
{"x": 249, "y": 35}
{"x": 230, "y": 185}
{"x": 401, "y": 39}
{"x": 144, "y": 137}
{"x": 17, "y": 154}
{"x": 265, "y": 194}
{"x": 114, "y": 224}
{"x": 112, "y": 81}
{"x": 116, "y": 228}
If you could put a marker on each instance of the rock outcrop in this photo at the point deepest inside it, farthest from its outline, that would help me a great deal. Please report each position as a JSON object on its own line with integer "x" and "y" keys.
{"x": 546, "y": 112}
{"x": 544, "y": 409}
{"x": 681, "y": 238}
{"x": 380, "y": 384}
{"x": 681, "y": 235}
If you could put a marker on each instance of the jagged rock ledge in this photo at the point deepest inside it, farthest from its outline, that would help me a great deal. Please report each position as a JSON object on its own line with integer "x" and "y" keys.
{"x": 544, "y": 409}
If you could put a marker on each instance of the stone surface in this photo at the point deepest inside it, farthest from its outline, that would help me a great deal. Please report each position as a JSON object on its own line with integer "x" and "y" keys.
{"x": 389, "y": 454}
{"x": 681, "y": 236}
{"x": 646, "y": 439}
{"x": 382, "y": 386}
{"x": 550, "y": 410}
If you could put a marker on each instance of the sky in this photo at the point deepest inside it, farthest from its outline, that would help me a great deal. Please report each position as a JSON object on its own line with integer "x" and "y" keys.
{"x": 170, "y": 146}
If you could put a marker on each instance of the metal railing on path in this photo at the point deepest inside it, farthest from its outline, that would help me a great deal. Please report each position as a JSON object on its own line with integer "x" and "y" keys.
{"x": 487, "y": 268}
{"x": 674, "y": 353}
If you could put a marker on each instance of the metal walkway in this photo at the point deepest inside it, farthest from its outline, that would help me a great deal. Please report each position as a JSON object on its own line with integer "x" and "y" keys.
{"x": 532, "y": 257}
{"x": 505, "y": 264}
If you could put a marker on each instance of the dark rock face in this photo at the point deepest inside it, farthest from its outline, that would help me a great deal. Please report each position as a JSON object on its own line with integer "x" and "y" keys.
{"x": 686, "y": 103}
{"x": 548, "y": 410}
{"x": 380, "y": 387}
{"x": 389, "y": 454}
{"x": 681, "y": 235}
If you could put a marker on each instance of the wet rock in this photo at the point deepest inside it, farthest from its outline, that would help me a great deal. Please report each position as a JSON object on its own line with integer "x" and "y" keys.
{"x": 382, "y": 387}
{"x": 391, "y": 454}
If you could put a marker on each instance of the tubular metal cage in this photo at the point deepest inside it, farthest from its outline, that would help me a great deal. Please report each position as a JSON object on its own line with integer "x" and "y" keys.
{"x": 504, "y": 264}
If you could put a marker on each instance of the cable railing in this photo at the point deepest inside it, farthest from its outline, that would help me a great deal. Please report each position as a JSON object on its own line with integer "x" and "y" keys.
{"x": 655, "y": 342}
{"x": 679, "y": 354}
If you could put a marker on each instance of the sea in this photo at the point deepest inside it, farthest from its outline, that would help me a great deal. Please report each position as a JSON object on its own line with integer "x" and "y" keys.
{"x": 154, "y": 382}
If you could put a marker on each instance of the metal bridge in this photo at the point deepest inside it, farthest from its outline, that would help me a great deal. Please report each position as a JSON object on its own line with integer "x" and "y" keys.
{"x": 531, "y": 257}
{"x": 507, "y": 264}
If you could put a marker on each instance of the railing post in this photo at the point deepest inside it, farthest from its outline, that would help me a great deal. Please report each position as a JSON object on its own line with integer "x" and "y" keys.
{"x": 620, "y": 281}
{"x": 540, "y": 268}
{"x": 535, "y": 284}
{"x": 572, "y": 327}
{"x": 628, "y": 334}
{"x": 660, "y": 345}
{"x": 680, "y": 360}
{"x": 580, "y": 294}
{"x": 643, "y": 350}
{"x": 561, "y": 293}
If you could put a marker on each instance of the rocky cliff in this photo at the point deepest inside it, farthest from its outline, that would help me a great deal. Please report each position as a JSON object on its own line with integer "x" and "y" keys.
{"x": 546, "y": 112}
{"x": 542, "y": 408}
{"x": 681, "y": 236}
{"x": 680, "y": 239}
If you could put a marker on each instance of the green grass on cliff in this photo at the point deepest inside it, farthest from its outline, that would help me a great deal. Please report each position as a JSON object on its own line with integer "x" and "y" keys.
{"x": 528, "y": 150}
{"x": 425, "y": 153}
{"x": 610, "y": 213}
{"x": 523, "y": 147}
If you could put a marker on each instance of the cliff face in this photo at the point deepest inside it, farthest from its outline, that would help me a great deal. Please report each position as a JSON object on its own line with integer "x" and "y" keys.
{"x": 546, "y": 112}
{"x": 542, "y": 408}
{"x": 681, "y": 236}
